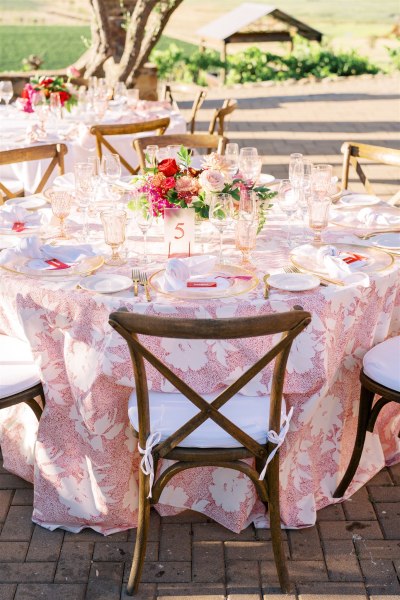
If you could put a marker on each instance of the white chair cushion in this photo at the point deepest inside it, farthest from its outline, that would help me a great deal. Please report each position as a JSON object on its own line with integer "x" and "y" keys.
{"x": 382, "y": 363}
{"x": 169, "y": 411}
{"x": 18, "y": 372}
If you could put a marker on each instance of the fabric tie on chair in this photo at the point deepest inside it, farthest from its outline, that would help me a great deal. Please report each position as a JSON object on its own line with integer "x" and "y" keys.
{"x": 147, "y": 462}
{"x": 278, "y": 439}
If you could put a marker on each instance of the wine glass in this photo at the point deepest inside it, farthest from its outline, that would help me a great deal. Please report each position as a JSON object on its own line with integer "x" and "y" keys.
{"x": 150, "y": 154}
{"x": 220, "y": 215}
{"x": 61, "y": 202}
{"x": 288, "y": 200}
{"x": 248, "y": 206}
{"x": 245, "y": 238}
{"x": 110, "y": 167}
{"x": 120, "y": 92}
{"x": 143, "y": 215}
{"x": 114, "y": 225}
{"x": 295, "y": 159}
{"x": 318, "y": 213}
{"x": 84, "y": 188}
{"x": 55, "y": 105}
{"x": 250, "y": 167}
{"x": 40, "y": 108}
{"x": 296, "y": 173}
{"x": 7, "y": 91}
{"x": 232, "y": 158}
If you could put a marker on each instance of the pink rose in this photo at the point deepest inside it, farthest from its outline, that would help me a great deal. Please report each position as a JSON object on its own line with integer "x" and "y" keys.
{"x": 187, "y": 184}
{"x": 212, "y": 181}
{"x": 73, "y": 71}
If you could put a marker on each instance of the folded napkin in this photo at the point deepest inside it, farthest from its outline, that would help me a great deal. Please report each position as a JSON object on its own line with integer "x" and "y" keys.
{"x": 35, "y": 133}
{"x": 47, "y": 256}
{"x": 17, "y": 218}
{"x": 179, "y": 270}
{"x": 65, "y": 182}
{"x": 372, "y": 218}
{"x": 342, "y": 265}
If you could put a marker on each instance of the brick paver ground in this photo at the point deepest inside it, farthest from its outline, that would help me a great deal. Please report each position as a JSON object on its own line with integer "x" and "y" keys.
{"x": 353, "y": 552}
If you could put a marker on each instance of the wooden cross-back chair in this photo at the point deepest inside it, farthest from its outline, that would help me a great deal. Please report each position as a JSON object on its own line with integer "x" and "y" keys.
{"x": 167, "y": 94}
{"x": 54, "y": 152}
{"x": 353, "y": 152}
{"x": 192, "y": 141}
{"x": 220, "y": 114}
{"x": 101, "y": 132}
{"x": 171, "y": 445}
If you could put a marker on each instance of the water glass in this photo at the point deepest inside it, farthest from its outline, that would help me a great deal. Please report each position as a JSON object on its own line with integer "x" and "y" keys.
{"x": 288, "y": 201}
{"x": 114, "y": 225}
{"x": 6, "y": 91}
{"x": 84, "y": 190}
{"x": 40, "y": 108}
{"x": 133, "y": 97}
{"x": 61, "y": 202}
{"x": 120, "y": 93}
{"x": 110, "y": 167}
{"x": 250, "y": 168}
{"x": 321, "y": 179}
{"x": 318, "y": 214}
{"x": 55, "y": 105}
{"x": 245, "y": 238}
{"x": 150, "y": 154}
{"x": 232, "y": 158}
{"x": 220, "y": 215}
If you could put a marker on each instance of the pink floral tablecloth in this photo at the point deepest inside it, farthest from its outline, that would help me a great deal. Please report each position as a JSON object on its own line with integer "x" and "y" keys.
{"x": 83, "y": 458}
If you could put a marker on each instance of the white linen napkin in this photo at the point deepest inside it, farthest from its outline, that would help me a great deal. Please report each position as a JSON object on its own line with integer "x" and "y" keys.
{"x": 30, "y": 247}
{"x": 35, "y": 133}
{"x": 65, "y": 182}
{"x": 332, "y": 260}
{"x": 11, "y": 214}
{"x": 370, "y": 217}
{"x": 179, "y": 270}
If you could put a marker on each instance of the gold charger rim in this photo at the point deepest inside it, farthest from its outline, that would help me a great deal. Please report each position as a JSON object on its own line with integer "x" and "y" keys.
{"x": 46, "y": 274}
{"x": 235, "y": 269}
{"x": 346, "y": 246}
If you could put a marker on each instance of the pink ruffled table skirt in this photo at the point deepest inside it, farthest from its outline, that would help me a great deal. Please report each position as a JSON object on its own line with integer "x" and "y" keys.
{"x": 83, "y": 458}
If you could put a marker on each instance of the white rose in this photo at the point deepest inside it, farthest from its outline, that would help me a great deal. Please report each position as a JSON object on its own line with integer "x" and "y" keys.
{"x": 212, "y": 181}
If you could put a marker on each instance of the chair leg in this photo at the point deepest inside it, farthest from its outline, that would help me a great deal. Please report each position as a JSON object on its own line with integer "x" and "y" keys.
{"x": 35, "y": 407}
{"x": 141, "y": 537}
{"x": 366, "y": 400}
{"x": 275, "y": 525}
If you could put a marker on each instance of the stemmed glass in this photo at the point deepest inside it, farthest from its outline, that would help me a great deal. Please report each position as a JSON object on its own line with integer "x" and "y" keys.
{"x": 143, "y": 215}
{"x": 114, "y": 224}
{"x": 6, "y": 91}
{"x": 321, "y": 179}
{"x": 120, "y": 92}
{"x": 55, "y": 105}
{"x": 232, "y": 158}
{"x": 110, "y": 169}
{"x": 61, "y": 202}
{"x": 220, "y": 215}
{"x": 250, "y": 165}
{"x": 295, "y": 159}
{"x": 288, "y": 200}
{"x": 318, "y": 214}
{"x": 84, "y": 188}
{"x": 150, "y": 154}
{"x": 246, "y": 225}
{"x": 40, "y": 108}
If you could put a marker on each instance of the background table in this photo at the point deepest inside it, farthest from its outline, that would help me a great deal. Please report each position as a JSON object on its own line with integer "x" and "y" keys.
{"x": 81, "y": 460}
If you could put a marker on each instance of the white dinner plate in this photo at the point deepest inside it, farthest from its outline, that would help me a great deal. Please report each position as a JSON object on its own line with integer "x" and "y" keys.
{"x": 359, "y": 200}
{"x": 391, "y": 241}
{"x": 29, "y": 202}
{"x": 293, "y": 282}
{"x": 265, "y": 179}
{"x": 105, "y": 283}
{"x": 34, "y": 268}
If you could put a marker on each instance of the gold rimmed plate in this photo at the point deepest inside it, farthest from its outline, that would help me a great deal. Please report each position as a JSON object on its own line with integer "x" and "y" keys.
{"x": 376, "y": 260}
{"x": 348, "y": 218}
{"x": 86, "y": 266}
{"x": 227, "y": 280}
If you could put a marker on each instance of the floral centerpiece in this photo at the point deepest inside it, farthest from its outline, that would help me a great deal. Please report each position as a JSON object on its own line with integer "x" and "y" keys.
{"x": 174, "y": 183}
{"x": 47, "y": 85}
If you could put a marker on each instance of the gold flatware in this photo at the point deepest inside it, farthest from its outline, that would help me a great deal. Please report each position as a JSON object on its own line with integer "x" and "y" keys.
{"x": 266, "y": 285}
{"x": 135, "y": 279}
{"x": 145, "y": 283}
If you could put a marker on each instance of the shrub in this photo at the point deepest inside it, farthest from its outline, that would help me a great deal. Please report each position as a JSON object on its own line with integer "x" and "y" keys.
{"x": 394, "y": 55}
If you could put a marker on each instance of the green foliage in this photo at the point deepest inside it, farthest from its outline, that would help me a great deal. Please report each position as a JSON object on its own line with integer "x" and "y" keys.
{"x": 176, "y": 64}
{"x": 394, "y": 55}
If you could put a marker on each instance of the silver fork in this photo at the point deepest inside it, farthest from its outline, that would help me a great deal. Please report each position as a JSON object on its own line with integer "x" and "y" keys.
{"x": 145, "y": 283}
{"x": 293, "y": 269}
{"x": 136, "y": 280}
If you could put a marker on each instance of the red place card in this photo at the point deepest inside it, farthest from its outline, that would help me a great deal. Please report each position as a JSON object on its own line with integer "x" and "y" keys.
{"x": 57, "y": 264}
{"x": 18, "y": 226}
{"x": 201, "y": 284}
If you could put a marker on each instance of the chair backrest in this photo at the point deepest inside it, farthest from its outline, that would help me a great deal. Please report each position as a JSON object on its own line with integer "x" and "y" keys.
{"x": 54, "y": 152}
{"x": 189, "y": 140}
{"x": 220, "y": 114}
{"x": 129, "y": 325}
{"x": 198, "y": 101}
{"x": 101, "y": 132}
{"x": 353, "y": 151}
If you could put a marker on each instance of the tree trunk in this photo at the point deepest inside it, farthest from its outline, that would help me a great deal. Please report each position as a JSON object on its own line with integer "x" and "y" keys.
{"x": 123, "y": 38}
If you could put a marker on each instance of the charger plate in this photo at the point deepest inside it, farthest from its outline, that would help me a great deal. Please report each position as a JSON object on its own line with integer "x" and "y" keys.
{"x": 221, "y": 275}
{"x": 377, "y": 259}
{"x": 348, "y": 218}
{"x": 86, "y": 266}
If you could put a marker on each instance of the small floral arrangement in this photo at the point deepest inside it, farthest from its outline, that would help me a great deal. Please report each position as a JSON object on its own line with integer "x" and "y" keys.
{"x": 174, "y": 183}
{"x": 48, "y": 85}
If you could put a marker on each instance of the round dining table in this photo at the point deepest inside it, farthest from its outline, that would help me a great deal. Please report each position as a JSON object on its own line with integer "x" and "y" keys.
{"x": 82, "y": 457}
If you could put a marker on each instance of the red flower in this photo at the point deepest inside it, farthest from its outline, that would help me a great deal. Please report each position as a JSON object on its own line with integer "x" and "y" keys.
{"x": 168, "y": 167}
{"x": 47, "y": 82}
{"x": 168, "y": 183}
{"x": 64, "y": 96}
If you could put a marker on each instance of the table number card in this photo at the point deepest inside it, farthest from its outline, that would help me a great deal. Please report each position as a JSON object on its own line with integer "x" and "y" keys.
{"x": 179, "y": 231}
